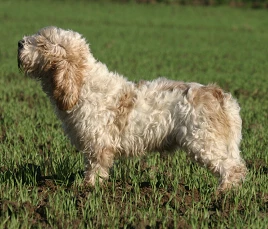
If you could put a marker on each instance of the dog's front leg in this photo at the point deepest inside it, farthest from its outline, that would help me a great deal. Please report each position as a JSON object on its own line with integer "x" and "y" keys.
{"x": 97, "y": 165}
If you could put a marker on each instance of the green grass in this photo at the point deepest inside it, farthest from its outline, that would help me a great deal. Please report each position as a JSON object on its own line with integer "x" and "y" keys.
{"x": 41, "y": 174}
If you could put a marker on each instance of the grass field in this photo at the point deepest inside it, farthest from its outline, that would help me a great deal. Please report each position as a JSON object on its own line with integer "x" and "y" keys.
{"x": 41, "y": 174}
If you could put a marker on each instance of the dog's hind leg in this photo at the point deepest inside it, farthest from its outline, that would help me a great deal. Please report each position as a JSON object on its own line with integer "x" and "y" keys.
{"x": 220, "y": 159}
{"x": 233, "y": 169}
{"x": 213, "y": 135}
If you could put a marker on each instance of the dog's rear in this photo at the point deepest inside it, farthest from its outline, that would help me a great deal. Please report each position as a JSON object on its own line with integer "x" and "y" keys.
{"x": 223, "y": 133}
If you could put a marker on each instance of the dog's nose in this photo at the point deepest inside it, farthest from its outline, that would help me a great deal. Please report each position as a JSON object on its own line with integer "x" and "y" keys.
{"x": 20, "y": 44}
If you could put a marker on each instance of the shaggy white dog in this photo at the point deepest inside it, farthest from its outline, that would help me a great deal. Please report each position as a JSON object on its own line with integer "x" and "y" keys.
{"x": 106, "y": 116}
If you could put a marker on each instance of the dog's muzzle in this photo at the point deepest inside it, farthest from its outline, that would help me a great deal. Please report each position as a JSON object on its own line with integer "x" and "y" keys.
{"x": 20, "y": 47}
{"x": 21, "y": 44}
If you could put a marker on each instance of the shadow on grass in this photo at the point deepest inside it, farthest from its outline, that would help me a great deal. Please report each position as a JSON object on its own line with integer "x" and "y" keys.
{"x": 30, "y": 174}
{"x": 257, "y": 166}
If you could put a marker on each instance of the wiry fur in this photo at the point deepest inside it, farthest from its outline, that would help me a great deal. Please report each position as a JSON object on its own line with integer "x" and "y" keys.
{"x": 106, "y": 116}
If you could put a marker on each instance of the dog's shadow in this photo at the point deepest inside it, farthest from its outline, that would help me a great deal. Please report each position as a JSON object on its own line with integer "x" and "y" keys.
{"x": 31, "y": 174}
{"x": 257, "y": 166}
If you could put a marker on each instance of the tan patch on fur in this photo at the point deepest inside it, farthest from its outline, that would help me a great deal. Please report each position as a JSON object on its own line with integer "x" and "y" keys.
{"x": 106, "y": 157}
{"x": 141, "y": 83}
{"x": 170, "y": 85}
{"x": 165, "y": 85}
{"x": 67, "y": 83}
{"x": 236, "y": 176}
{"x": 126, "y": 103}
{"x": 211, "y": 99}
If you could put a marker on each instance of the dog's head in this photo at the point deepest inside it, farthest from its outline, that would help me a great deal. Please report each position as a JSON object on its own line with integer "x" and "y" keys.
{"x": 58, "y": 58}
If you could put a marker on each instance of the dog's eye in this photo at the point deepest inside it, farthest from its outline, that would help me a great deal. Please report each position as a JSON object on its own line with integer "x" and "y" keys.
{"x": 30, "y": 41}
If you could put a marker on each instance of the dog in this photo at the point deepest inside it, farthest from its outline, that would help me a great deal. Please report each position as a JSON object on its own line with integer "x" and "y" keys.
{"x": 106, "y": 116}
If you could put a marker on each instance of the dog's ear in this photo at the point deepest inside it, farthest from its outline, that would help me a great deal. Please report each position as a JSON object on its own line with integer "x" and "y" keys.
{"x": 67, "y": 83}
